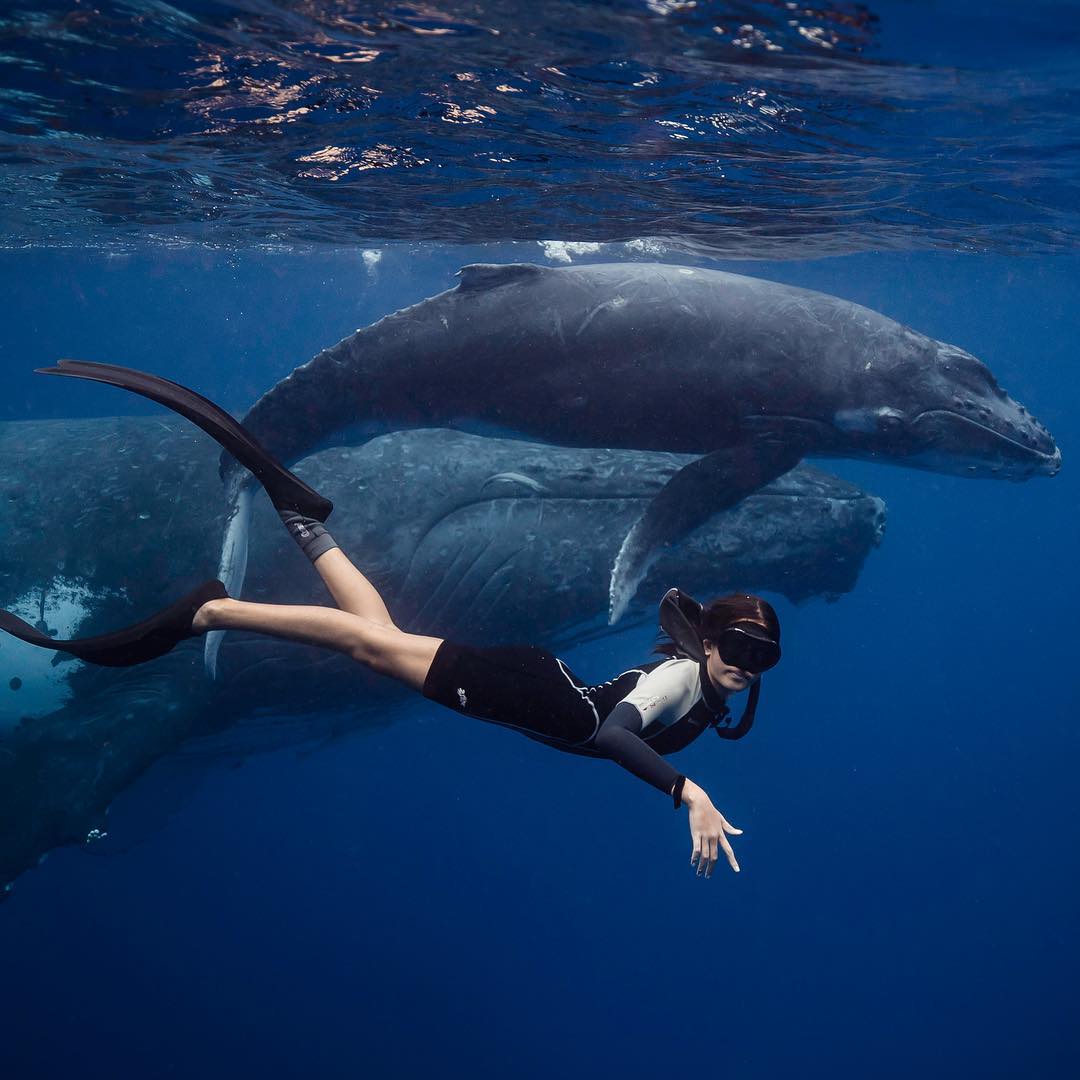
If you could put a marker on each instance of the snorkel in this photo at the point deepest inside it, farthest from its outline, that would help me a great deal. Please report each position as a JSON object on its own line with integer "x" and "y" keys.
{"x": 685, "y": 621}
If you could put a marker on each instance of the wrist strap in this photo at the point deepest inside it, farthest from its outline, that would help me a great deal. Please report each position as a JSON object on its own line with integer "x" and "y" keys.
{"x": 676, "y": 791}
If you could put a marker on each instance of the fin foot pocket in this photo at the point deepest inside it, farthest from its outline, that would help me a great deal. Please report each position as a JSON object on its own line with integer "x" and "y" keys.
{"x": 286, "y": 490}
{"x": 146, "y": 640}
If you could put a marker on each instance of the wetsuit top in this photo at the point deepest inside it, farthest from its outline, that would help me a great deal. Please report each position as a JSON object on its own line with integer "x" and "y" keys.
{"x": 652, "y": 710}
{"x": 635, "y": 718}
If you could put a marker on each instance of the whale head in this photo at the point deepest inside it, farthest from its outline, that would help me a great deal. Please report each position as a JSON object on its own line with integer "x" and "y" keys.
{"x": 948, "y": 414}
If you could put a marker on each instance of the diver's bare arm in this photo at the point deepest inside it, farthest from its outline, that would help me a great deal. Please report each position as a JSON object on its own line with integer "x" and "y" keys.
{"x": 619, "y": 738}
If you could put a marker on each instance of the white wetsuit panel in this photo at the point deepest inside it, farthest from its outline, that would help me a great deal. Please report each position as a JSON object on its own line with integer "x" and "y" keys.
{"x": 666, "y": 693}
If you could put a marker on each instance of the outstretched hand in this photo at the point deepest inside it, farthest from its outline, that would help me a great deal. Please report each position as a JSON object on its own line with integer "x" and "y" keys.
{"x": 708, "y": 828}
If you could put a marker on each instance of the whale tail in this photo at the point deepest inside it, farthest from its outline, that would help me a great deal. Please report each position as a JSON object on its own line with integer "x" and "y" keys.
{"x": 286, "y": 490}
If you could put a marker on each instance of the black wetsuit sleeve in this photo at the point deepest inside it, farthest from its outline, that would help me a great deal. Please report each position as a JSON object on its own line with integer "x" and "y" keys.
{"x": 618, "y": 739}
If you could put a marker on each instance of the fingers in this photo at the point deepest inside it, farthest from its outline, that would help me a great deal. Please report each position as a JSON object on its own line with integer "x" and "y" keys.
{"x": 729, "y": 853}
{"x": 704, "y": 854}
{"x": 707, "y": 849}
{"x": 728, "y": 827}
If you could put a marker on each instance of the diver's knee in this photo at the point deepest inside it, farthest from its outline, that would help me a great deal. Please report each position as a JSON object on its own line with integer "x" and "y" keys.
{"x": 365, "y": 652}
{"x": 374, "y": 644}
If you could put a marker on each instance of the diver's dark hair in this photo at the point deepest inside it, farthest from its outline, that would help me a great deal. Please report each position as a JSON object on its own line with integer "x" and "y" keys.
{"x": 719, "y": 614}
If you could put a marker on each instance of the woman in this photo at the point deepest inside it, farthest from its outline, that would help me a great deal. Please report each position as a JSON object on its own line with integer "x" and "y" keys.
{"x": 634, "y": 719}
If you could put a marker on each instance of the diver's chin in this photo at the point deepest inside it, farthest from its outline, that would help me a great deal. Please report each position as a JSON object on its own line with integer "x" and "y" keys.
{"x": 733, "y": 682}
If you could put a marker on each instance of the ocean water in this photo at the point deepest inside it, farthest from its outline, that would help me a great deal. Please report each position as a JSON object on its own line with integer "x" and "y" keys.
{"x": 404, "y": 892}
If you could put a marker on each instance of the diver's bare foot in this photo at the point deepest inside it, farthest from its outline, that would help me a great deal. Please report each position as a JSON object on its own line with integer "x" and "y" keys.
{"x": 205, "y": 616}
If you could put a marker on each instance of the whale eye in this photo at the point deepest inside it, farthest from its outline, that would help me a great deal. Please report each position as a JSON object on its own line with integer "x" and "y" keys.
{"x": 870, "y": 421}
{"x": 890, "y": 419}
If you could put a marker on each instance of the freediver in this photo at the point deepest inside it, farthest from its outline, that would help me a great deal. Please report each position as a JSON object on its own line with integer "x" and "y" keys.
{"x": 713, "y": 652}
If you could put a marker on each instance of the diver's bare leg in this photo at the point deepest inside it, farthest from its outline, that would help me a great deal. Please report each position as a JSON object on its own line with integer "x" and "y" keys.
{"x": 351, "y": 591}
{"x": 380, "y": 646}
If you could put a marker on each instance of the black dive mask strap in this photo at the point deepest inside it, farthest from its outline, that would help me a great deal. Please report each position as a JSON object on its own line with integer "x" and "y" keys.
{"x": 746, "y": 721}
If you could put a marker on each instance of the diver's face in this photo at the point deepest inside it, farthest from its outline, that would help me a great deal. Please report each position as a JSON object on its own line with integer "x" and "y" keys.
{"x": 726, "y": 678}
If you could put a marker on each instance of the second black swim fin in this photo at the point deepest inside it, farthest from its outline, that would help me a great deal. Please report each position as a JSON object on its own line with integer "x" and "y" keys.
{"x": 286, "y": 490}
{"x": 136, "y": 644}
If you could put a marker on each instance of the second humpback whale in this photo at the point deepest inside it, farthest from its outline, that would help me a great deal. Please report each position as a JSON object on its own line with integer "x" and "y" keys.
{"x": 492, "y": 540}
{"x": 750, "y": 374}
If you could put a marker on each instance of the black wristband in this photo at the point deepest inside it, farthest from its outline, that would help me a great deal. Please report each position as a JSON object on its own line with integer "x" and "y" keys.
{"x": 676, "y": 791}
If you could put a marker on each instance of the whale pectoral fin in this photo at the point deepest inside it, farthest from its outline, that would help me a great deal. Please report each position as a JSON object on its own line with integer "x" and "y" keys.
{"x": 696, "y": 492}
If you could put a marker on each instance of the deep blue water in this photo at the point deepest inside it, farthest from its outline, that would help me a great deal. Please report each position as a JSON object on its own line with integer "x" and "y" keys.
{"x": 442, "y": 897}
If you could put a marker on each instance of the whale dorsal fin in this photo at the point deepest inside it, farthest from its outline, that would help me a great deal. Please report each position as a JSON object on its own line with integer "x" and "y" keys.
{"x": 492, "y": 275}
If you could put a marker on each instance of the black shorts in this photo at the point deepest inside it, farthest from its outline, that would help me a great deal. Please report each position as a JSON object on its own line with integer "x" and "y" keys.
{"x": 517, "y": 686}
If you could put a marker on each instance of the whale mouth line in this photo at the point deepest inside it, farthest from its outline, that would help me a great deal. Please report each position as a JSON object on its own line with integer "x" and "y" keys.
{"x": 1027, "y": 450}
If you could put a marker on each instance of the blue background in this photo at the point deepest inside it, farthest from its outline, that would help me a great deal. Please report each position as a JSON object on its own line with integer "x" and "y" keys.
{"x": 442, "y": 896}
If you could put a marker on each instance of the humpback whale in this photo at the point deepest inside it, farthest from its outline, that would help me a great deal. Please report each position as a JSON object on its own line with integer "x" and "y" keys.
{"x": 748, "y": 375}
{"x": 484, "y": 539}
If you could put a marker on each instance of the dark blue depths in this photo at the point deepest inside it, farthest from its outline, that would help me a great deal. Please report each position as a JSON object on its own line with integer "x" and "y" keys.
{"x": 440, "y": 895}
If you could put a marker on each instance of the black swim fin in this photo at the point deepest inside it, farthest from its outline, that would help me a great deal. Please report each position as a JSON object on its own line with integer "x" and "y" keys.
{"x": 286, "y": 490}
{"x": 680, "y": 619}
{"x": 136, "y": 644}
